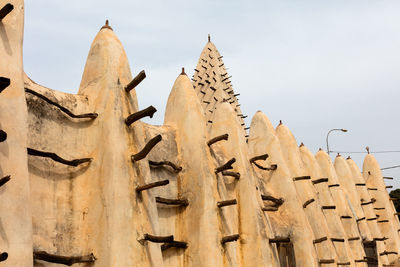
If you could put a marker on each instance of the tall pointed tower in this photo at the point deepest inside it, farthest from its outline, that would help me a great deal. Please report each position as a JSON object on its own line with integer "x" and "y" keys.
{"x": 212, "y": 84}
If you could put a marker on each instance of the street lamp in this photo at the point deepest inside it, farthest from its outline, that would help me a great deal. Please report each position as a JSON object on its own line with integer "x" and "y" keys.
{"x": 327, "y": 136}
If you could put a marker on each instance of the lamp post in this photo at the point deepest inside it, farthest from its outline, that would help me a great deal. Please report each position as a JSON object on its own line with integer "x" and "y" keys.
{"x": 327, "y": 136}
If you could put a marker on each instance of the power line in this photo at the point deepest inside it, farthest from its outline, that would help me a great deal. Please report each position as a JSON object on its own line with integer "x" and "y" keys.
{"x": 371, "y": 152}
{"x": 392, "y": 167}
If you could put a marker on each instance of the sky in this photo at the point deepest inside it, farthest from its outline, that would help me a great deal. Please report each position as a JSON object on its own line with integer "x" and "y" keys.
{"x": 315, "y": 65}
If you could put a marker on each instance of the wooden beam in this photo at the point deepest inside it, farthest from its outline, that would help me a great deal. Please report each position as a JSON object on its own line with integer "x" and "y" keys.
{"x": 217, "y": 139}
{"x": 147, "y": 148}
{"x": 319, "y": 240}
{"x": 66, "y": 260}
{"x": 177, "y": 202}
{"x": 308, "y": 202}
{"x": 380, "y": 238}
{"x": 261, "y": 157}
{"x": 4, "y": 83}
{"x": 301, "y": 178}
{"x": 224, "y": 203}
{"x": 159, "y": 239}
{"x": 3, "y": 136}
{"x": 3, "y": 256}
{"x": 269, "y": 209}
{"x": 280, "y": 240}
{"x": 4, "y": 180}
{"x": 147, "y": 112}
{"x": 226, "y": 166}
{"x": 229, "y": 238}
{"x": 328, "y": 207}
{"x": 151, "y": 185}
{"x": 63, "y": 109}
{"x": 387, "y": 253}
{"x": 233, "y": 174}
{"x": 135, "y": 82}
{"x": 55, "y": 157}
{"x": 360, "y": 219}
{"x": 326, "y": 261}
{"x": 165, "y": 163}
{"x": 277, "y": 201}
{"x": 6, "y": 10}
{"x": 174, "y": 244}
{"x": 321, "y": 180}
{"x": 337, "y": 239}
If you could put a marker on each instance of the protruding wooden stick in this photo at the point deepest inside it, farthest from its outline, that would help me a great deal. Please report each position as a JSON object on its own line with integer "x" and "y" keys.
{"x": 387, "y": 253}
{"x": 269, "y": 209}
{"x": 393, "y": 198}
{"x": 372, "y": 219}
{"x": 379, "y": 208}
{"x": 319, "y": 240}
{"x": 383, "y": 221}
{"x": 388, "y": 178}
{"x": 55, "y": 157}
{"x": 343, "y": 263}
{"x": 372, "y": 189}
{"x": 165, "y": 163}
{"x": 224, "y": 203}
{"x": 149, "y": 146}
{"x": 151, "y": 185}
{"x": 6, "y": 10}
{"x": 280, "y": 240}
{"x": 380, "y": 238}
{"x": 389, "y": 186}
{"x": 218, "y": 138}
{"x": 138, "y": 79}
{"x": 353, "y": 238}
{"x": 226, "y": 166}
{"x": 229, "y": 238}
{"x": 362, "y": 260}
{"x": 360, "y": 219}
{"x": 322, "y": 180}
{"x": 3, "y": 256}
{"x": 4, "y": 180}
{"x": 360, "y": 184}
{"x": 174, "y": 244}
{"x": 273, "y": 167}
{"x": 261, "y": 157}
{"x": 367, "y": 203}
{"x": 4, "y": 83}
{"x": 308, "y": 202}
{"x": 3, "y": 136}
{"x": 44, "y": 256}
{"x": 333, "y": 185}
{"x": 301, "y": 178}
{"x": 326, "y": 261}
{"x": 328, "y": 207}
{"x": 277, "y": 201}
{"x": 63, "y": 109}
{"x": 147, "y": 112}
{"x": 178, "y": 202}
{"x": 233, "y": 174}
{"x": 345, "y": 217}
{"x": 337, "y": 239}
{"x": 159, "y": 239}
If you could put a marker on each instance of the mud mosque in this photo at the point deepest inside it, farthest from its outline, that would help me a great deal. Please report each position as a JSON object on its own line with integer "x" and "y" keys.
{"x": 84, "y": 182}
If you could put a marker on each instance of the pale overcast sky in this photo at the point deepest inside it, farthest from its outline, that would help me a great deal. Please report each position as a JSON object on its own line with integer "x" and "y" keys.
{"x": 316, "y": 65}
